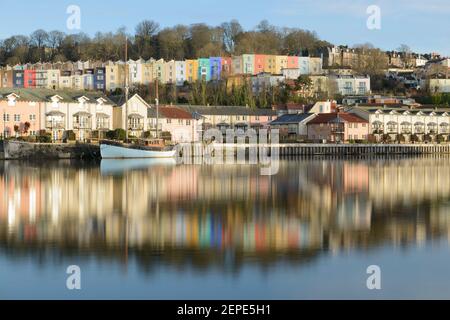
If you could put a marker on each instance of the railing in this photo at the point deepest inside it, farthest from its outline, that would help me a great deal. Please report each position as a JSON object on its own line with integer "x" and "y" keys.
{"x": 104, "y": 125}
{"x": 136, "y": 127}
{"x": 54, "y": 125}
{"x": 82, "y": 125}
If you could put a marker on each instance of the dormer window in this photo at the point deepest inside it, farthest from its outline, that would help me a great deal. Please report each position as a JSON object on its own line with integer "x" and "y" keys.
{"x": 12, "y": 98}
{"x": 83, "y": 99}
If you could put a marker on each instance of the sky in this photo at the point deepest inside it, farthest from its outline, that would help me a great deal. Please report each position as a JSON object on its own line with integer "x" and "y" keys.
{"x": 423, "y": 25}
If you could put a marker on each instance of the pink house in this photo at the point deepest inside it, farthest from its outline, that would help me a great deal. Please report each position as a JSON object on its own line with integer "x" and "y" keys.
{"x": 337, "y": 127}
{"x": 19, "y": 117}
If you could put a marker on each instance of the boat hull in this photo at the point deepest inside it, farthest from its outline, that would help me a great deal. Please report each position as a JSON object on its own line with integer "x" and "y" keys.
{"x": 115, "y": 152}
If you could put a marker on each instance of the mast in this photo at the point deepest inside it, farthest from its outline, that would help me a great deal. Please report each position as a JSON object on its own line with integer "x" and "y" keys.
{"x": 126, "y": 89}
{"x": 157, "y": 108}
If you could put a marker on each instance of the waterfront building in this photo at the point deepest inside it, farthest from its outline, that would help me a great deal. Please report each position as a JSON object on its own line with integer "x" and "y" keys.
{"x": 115, "y": 75}
{"x": 403, "y": 123}
{"x": 158, "y": 70}
{"x": 65, "y": 80}
{"x": 29, "y": 78}
{"x": 292, "y": 126}
{"x": 180, "y": 123}
{"x": 337, "y": 127}
{"x": 136, "y": 70}
{"x": 53, "y": 79}
{"x": 215, "y": 64}
{"x": 100, "y": 79}
{"x": 229, "y": 117}
{"x": 135, "y": 120}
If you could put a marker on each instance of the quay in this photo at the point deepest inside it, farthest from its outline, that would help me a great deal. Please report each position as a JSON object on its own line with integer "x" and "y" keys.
{"x": 300, "y": 149}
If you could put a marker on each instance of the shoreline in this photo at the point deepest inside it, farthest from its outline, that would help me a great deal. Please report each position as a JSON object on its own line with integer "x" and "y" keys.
{"x": 15, "y": 150}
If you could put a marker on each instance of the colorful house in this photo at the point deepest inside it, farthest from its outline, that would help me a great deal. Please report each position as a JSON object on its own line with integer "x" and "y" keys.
{"x": 180, "y": 72}
{"x": 20, "y": 117}
{"x": 248, "y": 62}
{"x": 18, "y": 78}
{"x": 169, "y": 72}
{"x": 215, "y": 65}
{"x": 281, "y": 62}
{"x": 292, "y": 62}
{"x": 338, "y": 127}
{"x": 260, "y": 61}
{"x": 236, "y": 65}
{"x": 29, "y": 78}
{"x": 204, "y": 69}
{"x": 191, "y": 70}
{"x": 270, "y": 64}
{"x": 226, "y": 67}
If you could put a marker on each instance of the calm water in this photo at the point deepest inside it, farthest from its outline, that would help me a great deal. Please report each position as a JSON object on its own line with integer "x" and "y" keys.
{"x": 157, "y": 230}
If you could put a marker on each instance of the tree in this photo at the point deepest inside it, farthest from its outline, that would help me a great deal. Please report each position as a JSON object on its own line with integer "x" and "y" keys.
{"x": 231, "y": 31}
{"x": 39, "y": 38}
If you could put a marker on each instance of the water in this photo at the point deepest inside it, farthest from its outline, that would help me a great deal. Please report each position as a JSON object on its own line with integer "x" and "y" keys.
{"x": 145, "y": 229}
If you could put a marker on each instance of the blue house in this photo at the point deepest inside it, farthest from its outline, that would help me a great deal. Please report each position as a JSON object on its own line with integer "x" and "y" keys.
{"x": 215, "y": 64}
{"x": 100, "y": 79}
{"x": 18, "y": 78}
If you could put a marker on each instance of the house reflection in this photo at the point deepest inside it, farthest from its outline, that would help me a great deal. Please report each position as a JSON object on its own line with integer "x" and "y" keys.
{"x": 311, "y": 205}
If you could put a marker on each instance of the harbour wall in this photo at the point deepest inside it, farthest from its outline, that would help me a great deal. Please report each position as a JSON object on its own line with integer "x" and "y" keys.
{"x": 37, "y": 151}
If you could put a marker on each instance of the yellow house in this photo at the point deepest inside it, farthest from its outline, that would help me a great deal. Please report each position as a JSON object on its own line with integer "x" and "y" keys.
{"x": 115, "y": 75}
{"x": 169, "y": 72}
{"x": 147, "y": 72}
{"x": 158, "y": 70}
{"x": 191, "y": 70}
{"x": 270, "y": 64}
{"x": 281, "y": 63}
{"x": 53, "y": 79}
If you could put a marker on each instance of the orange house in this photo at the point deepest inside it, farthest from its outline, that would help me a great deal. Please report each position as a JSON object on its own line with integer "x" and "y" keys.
{"x": 292, "y": 62}
{"x": 260, "y": 62}
{"x": 226, "y": 67}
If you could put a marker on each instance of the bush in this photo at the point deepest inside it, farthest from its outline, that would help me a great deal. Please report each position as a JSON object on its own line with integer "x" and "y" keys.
{"x": 44, "y": 138}
{"x": 118, "y": 134}
{"x": 70, "y": 135}
{"x": 166, "y": 135}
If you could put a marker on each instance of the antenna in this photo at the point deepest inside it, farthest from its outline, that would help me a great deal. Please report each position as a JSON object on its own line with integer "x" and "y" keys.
{"x": 157, "y": 108}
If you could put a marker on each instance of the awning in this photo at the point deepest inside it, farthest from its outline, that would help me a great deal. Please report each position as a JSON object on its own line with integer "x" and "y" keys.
{"x": 419, "y": 124}
{"x": 135, "y": 115}
{"x": 55, "y": 113}
{"x": 392, "y": 123}
{"x": 102, "y": 115}
{"x": 82, "y": 114}
{"x": 406, "y": 123}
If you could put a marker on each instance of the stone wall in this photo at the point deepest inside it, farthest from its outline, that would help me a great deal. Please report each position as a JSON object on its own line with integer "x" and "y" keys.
{"x": 26, "y": 150}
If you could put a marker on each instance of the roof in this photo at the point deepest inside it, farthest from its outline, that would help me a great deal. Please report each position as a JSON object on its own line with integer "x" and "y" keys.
{"x": 291, "y": 118}
{"x": 229, "y": 110}
{"x": 175, "y": 113}
{"x": 340, "y": 117}
{"x": 41, "y": 94}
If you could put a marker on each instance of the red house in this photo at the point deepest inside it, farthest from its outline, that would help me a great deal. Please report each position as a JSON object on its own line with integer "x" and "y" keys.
{"x": 30, "y": 79}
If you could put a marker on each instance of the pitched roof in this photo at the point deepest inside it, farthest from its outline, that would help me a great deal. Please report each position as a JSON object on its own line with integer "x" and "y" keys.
{"x": 40, "y": 95}
{"x": 229, "y": 110}
{"x": 174, "y": 113}
{"x": 291, "y": 118}
{"x": 340, "y": 117}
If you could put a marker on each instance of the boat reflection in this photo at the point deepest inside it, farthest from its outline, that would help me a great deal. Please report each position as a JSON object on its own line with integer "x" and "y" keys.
{"x": 119, "y": 166}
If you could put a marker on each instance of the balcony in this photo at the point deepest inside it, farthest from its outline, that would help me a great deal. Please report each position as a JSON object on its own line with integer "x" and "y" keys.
{"x": 82, "y": 125}
{"x": 102, "y": 125}
{"x": 54, "y": 125}
{"x": 135, "y": 126}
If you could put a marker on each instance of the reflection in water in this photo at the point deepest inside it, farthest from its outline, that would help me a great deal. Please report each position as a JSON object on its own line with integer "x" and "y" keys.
{"x": 221, "y": 215}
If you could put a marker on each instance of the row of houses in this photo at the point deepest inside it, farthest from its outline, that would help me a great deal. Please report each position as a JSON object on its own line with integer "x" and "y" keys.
{"x": 111, "y": 75}
{"x": 89, "y": 115}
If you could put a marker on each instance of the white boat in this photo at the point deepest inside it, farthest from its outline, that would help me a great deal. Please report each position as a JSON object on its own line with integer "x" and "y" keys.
{"x": 120, "y": 166}
{"x": 125, "y": 151}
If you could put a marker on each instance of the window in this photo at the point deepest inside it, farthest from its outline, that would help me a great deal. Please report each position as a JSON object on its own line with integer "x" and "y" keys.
{"x": 188, "y": 122}
{"x": 32, "y": 117}
{"x": 169, "y": 120}
{"x": 5, "y": 117}
{"x": 17, "y": 117}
